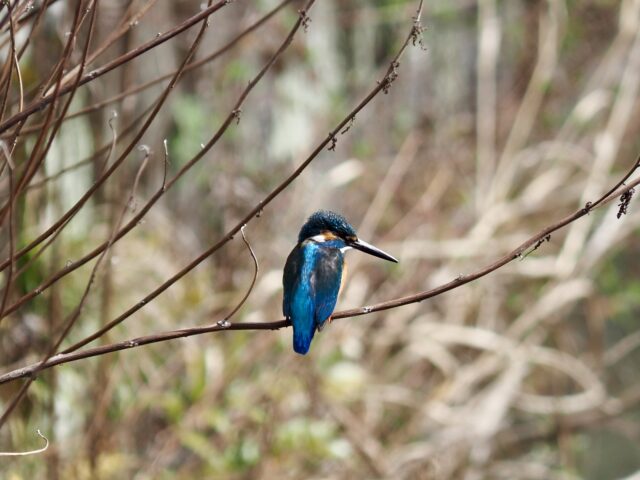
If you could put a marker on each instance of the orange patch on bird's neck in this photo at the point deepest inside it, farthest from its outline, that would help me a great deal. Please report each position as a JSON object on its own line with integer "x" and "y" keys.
{"x": 343, "y": 277}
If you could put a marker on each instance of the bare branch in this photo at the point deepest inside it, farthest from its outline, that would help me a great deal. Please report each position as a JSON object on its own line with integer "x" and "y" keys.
{"x": 71, "y": 356}
{"x": 189, "y": 68}
{"x": 34, "y": 107}
{"x": 29, "y": 452}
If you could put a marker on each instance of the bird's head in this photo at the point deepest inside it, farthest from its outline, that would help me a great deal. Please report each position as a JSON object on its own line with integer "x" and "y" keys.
{"x": 324, "y": 225}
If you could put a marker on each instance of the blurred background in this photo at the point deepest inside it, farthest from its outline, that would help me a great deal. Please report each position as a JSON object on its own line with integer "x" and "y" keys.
{"x": 513, "y": 115}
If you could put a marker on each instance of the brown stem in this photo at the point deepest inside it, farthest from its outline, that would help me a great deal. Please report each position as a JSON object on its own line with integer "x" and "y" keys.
{"x": 34, "y": 107}
{"x": 223, "y": 325}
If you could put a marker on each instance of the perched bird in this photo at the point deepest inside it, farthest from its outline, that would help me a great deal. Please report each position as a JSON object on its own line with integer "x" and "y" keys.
{"x": 314, "y": 273}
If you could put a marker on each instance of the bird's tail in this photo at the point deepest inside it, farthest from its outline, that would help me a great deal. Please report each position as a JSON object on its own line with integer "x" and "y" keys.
{"x": 302, "y": 336}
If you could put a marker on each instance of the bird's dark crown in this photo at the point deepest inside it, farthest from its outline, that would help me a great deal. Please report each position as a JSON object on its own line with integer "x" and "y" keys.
{"x": 326, "y": 221}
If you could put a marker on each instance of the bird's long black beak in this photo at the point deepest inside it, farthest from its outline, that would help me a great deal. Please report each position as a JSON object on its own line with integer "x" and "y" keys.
{"x": 371, "y": 250}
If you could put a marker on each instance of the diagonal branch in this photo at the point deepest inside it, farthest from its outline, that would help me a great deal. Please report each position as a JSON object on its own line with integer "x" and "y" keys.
{"x": 34, "y": 107}
{"x": 382, "y": 86}
{"x": 614, "y": 193}
{"x": 190, "y": 67}
{"x": 75, "y": 315}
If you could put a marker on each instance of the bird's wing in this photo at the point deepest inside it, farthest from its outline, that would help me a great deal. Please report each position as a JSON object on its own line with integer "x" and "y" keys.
{"x": 291, "y": 278}
{"x": 326, "y": 279}
{"x": 311, "y": 282}
{"x": 298, "y": 301}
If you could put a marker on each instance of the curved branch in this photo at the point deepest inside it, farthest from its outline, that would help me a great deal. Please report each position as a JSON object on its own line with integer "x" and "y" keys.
{"x": 30, "y": 452}
{"x": 382, "y": 86}
{"x": 223, "y": 325}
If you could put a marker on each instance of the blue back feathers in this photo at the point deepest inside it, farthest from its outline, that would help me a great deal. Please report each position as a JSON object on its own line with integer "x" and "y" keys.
{"x": 312, "y": 277}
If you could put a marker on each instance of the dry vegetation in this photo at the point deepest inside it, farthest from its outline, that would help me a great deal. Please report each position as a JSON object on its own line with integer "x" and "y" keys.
{"x": 139, "y": 137}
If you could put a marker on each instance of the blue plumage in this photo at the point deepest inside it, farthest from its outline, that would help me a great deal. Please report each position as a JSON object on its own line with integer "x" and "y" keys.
{"x": 313, "y": 273}
{"x": 312, "y": 278}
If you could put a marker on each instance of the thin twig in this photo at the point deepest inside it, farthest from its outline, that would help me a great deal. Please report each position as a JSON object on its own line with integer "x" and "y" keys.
{"x": 29, "y": 452}
{"x": 9, "y": 63}
{"x": 62, "y": 358}
{"x": 76, "y": 313}
{"x": 134, "y": 221}
{"x": 105, "y": 175}
{"x": 35, "y": 158}
{"x": 10, "y": 275}
{"x": 117, "y": 62}
{"x": 190, "y": 67}
{"x": 73, "y": 318}
{"x": 57, "y": 124}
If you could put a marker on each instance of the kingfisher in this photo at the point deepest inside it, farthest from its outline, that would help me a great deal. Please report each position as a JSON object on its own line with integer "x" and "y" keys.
{"x": 314, "y": 273}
